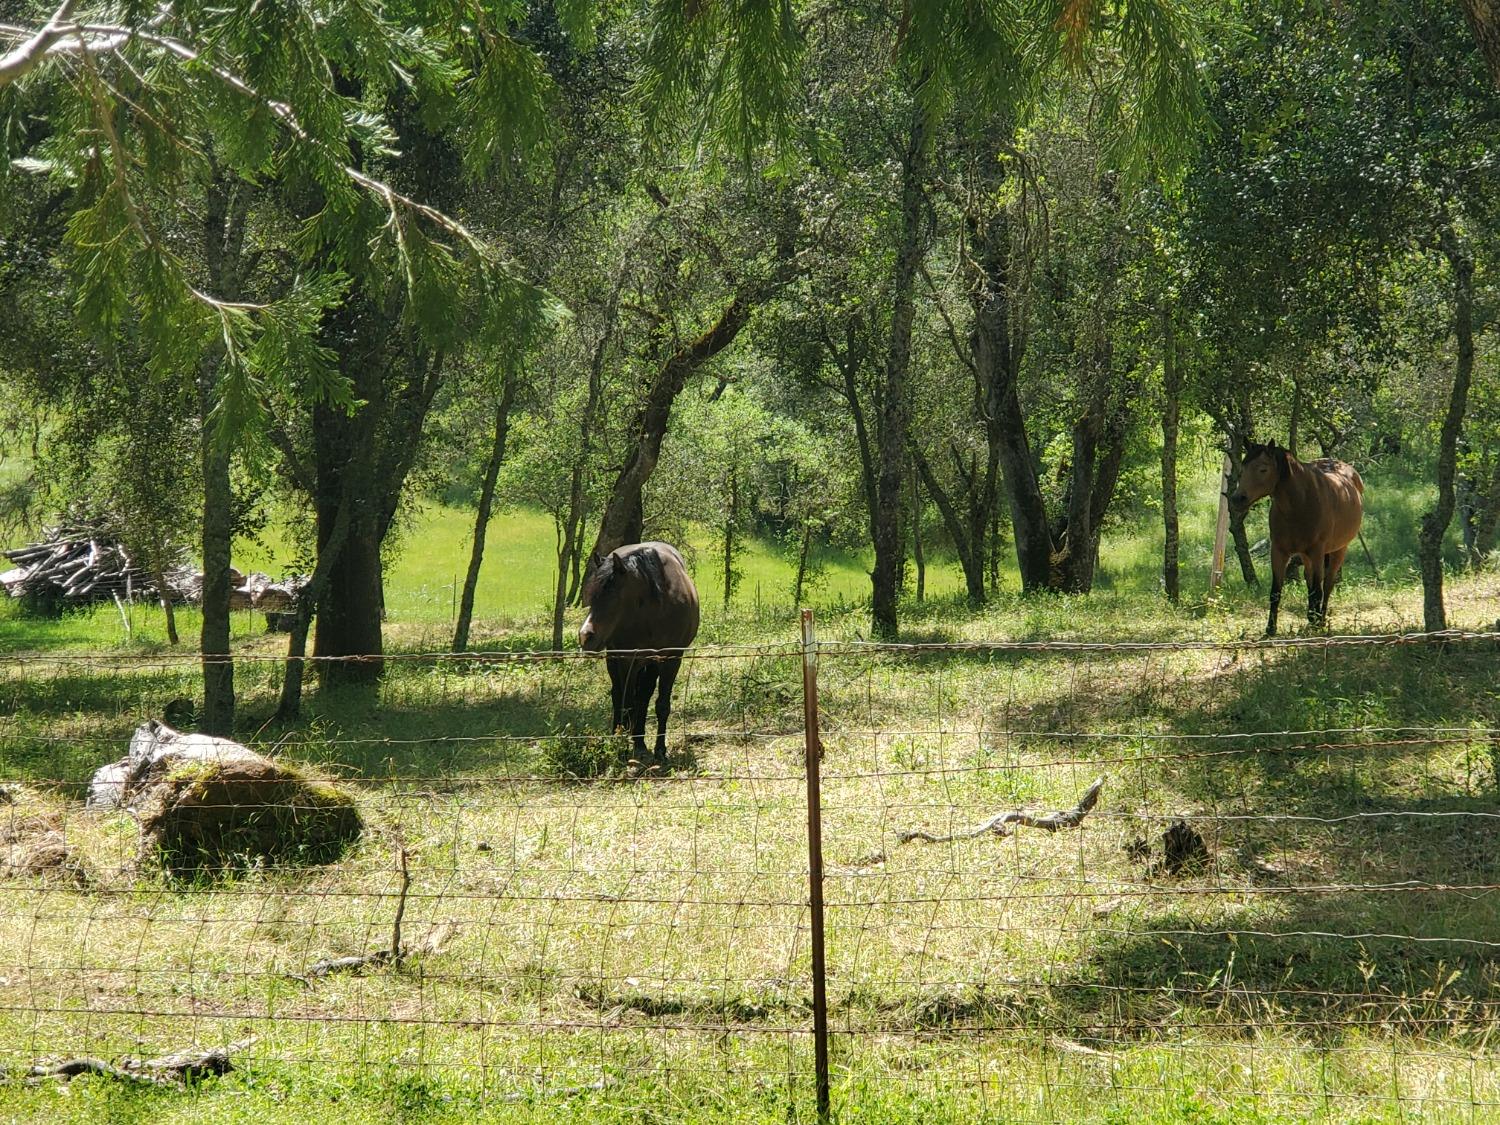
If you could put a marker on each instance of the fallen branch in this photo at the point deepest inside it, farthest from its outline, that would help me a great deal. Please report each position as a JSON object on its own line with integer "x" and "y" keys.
{"x": 331, "y": 965}
{"x": 1000, "y": 825}
{"x": 397, "y": 954}
{"x": 433, "y": 943}
{"x": 436, "y": 938}
{"x": 67, "y": 1069}
{"x": 168, "y": 1070}
{"x": 183, "y": 1065}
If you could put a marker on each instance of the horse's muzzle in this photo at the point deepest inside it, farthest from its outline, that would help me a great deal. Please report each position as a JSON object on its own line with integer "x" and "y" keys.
{"x": 588, "y": 638}
{"x": 1239, "y": 503}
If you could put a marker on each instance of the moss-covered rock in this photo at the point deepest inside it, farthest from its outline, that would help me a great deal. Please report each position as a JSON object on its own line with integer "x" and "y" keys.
{"x": 199, "y": 815}
{"x": 210, "y": 804}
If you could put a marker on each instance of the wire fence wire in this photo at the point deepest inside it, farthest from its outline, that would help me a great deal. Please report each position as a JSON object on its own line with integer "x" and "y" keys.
{"x": 1284, "y": 899}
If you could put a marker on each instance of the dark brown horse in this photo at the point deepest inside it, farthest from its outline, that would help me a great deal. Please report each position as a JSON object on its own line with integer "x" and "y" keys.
{"x": 640, "y": 598}
{"x": 1316, "y": 509}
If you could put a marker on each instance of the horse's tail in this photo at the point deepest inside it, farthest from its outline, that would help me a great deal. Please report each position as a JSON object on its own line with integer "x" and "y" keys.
{"x": 1359, "y": 482}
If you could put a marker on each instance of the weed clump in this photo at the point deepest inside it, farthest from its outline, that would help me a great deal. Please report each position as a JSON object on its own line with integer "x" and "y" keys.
{"x": 581, "y": 757}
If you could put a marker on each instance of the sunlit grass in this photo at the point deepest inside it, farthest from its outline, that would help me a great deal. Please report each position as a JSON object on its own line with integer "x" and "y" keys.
{"x": 1041, "y": 977}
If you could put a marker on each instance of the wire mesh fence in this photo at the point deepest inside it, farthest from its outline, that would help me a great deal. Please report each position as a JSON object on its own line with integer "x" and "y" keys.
{"x": 1284, "y": 897}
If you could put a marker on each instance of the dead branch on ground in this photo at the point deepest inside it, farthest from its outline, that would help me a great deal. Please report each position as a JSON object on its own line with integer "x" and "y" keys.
{"x": 168, "y": 1070}
{"x": 1001, "y": 825}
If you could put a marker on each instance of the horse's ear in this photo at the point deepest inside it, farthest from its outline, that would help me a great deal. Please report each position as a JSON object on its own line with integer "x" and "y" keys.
{"x": 595, "y": 574}
{"x": 647, "y": 563}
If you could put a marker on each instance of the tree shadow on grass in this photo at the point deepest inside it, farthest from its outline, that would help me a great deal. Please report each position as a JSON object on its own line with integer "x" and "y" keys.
{"x": 431, "y": 718}
{"x": 1353, "y": 870}
{"x": 1316, "y": 967}
{"x": 1386, "y": 723}
{"x": 61, "y": 729}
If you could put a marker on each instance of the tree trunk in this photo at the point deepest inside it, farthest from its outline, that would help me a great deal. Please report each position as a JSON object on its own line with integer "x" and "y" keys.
{"x": 1100, "y": 431}
{"x": 1435, "y": 522}
{"x": 891, "y": 444}
{"x": 994, "y": 549}
{"x": 1237, "y": 534}
{"x": 349, "y": 608}
{"x": 1028, "y": 510}
{"x": 1487, "y": 527}
{"x": 560, "y": 598}
{"x": 218, "y": 669}
{"x": 1295, "y": 423}
{"x": 167, "y": 608}
{"x": 362, "y": 459}
{"x": 916, "y": 537}
{"x": 848, "y": 360}
{"x": 1106, "y": 479}
{"x": 226, "y": 210}
{"x": 624, "y": 514}
{"x": 1098, "y": 454}
{"x": 996, "y": 344}
{"x": 349, "y": 642}
{"x": 1467, "y": 498}
{"x": 570, "y": 545}
{"x": 1075, "y": 562}
{"x": 963, "y": 542}
{"x": 802, "y": 564}
{"x": 575, "y": 565}
{"x": 734, "y": 501}
{"x": 1484, "y": 21}
{"x": 308, "y": 598}
{"x": 1241, "y": 542}
{"x": 486, "y": 506}
{"x": 1170, "y": 420}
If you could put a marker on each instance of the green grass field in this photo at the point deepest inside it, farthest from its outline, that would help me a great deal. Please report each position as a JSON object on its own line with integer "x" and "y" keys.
{"x": 515, "y": 589}
{"x": 605, "y": 946}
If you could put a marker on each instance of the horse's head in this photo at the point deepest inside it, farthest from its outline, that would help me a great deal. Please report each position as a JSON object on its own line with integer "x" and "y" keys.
{"x": 619, "y": 585}
{"x": 1260, "y": 473}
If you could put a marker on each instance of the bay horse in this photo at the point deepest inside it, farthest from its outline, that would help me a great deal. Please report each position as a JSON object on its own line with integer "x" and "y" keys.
{"x": 1316, "y": 510}
{"x": 640, "y": 598}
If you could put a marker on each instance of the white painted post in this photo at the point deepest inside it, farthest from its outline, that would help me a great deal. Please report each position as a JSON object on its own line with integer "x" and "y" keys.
{"x": 1221, "y": 530}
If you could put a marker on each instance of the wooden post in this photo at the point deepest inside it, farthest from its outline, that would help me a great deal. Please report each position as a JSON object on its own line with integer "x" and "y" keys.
{"x": 814, "y": 748}
{"x": 1221, "y": 529}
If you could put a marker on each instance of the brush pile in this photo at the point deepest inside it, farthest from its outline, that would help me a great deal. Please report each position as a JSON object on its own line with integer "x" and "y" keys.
{"x": 80, "y": 562}
{"x": 77, "y": 562}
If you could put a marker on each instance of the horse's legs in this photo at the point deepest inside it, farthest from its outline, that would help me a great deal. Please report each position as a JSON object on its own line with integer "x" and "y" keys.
{"x": 618, "y": 675}
{"x": 1315, "y": 568}
{"x": 1335, "y": 567}
{"x": 1279, "y": 559}
{"x": 666, "y": 677}
{"x": 640, "y": 701}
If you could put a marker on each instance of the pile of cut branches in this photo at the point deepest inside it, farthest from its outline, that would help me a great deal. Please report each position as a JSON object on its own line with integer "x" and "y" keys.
{"x": 75, "y": 562}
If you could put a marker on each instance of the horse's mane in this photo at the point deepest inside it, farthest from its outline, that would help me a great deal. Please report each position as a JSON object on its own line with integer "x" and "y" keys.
{"x": 645, "y": 563}
{"x": 1254, "y": 449}
{"x": 648, "y": 565}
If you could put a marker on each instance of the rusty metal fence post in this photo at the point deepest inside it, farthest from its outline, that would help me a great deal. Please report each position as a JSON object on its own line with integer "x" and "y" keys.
{"x": 814, "y": 748}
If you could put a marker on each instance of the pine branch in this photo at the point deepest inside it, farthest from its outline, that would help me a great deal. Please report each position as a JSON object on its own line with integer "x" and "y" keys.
{"x": 19, "y": 62}
{"x": 100, "y": 39}
{"x": 104, "y": 118}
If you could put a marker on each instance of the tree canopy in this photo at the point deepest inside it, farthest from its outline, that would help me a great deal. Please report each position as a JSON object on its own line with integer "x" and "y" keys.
{"x": 936, "y": 281}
